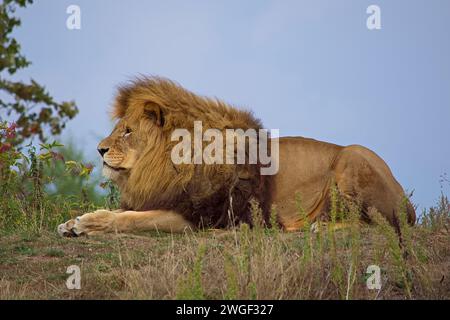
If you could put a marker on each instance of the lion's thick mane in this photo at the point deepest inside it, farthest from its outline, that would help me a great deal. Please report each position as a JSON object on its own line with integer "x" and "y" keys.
{"x": 207, "y": 195}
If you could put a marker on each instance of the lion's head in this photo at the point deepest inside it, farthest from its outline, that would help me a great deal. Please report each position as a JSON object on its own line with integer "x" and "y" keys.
{"x": 137, "y": 154}
{"x": 126, "y": 145}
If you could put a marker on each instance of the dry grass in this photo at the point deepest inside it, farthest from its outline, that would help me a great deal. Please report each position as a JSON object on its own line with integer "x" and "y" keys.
{"x": 235, "y": 264}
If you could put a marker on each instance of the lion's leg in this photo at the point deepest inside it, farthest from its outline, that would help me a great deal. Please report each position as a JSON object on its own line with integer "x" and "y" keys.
{"x": 295, "y": 222}
{"x": 362, "y": 175}
{"x": 104, "y": 221}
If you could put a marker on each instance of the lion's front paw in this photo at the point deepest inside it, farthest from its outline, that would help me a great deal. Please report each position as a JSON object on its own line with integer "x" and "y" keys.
{"x": 97, "y": 222}
{"x": 70, "y": 228}
{"x": 317, "y": 226}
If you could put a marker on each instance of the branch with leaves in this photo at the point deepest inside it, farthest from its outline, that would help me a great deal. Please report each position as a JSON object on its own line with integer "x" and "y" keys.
{"x": 33, "y": 109}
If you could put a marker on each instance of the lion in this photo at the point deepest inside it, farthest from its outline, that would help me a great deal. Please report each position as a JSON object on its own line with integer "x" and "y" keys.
{"x": 157, "y": 194}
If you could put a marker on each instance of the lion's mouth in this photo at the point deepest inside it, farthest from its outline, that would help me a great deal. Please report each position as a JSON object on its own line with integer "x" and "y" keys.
{"x": 113, "y": 168}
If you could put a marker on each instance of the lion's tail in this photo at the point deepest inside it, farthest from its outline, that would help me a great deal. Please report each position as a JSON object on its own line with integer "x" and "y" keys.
{"x": 410, "y": 213}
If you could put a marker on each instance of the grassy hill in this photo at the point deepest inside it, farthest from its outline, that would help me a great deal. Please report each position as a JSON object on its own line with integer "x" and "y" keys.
{"x": 235, "y": 264}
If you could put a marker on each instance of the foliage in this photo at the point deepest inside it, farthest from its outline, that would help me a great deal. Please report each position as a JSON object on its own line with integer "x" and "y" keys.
{"x": 44, "y": 187}
{"x": 33, "y": 108}
{"x": 72, "y": 176}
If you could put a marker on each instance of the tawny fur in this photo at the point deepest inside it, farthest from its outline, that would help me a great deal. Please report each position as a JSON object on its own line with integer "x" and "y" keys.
{"x": 201, "y": 195}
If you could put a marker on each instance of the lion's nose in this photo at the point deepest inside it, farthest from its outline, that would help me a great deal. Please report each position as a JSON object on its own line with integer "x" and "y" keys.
{"x": 102, "y": 151}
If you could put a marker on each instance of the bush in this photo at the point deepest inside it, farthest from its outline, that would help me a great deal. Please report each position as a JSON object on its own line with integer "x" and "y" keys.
{"x": 42, "y": 188}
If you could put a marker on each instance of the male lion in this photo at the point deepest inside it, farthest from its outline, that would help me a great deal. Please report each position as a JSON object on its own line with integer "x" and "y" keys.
{"x": 157, "y": 194}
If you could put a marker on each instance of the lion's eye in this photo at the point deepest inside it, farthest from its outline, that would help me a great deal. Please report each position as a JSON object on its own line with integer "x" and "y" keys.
{"x": 127, "y": 132}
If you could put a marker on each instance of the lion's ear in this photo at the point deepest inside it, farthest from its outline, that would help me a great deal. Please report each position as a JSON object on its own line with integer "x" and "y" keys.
{"x": 154, "y": 112}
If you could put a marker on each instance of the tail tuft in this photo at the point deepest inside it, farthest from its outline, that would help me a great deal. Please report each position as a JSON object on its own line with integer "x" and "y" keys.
{"x": 411, "y": 213}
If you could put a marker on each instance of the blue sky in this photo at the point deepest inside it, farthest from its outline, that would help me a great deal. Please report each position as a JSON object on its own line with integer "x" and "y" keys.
{"x": 309, "y": 68}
